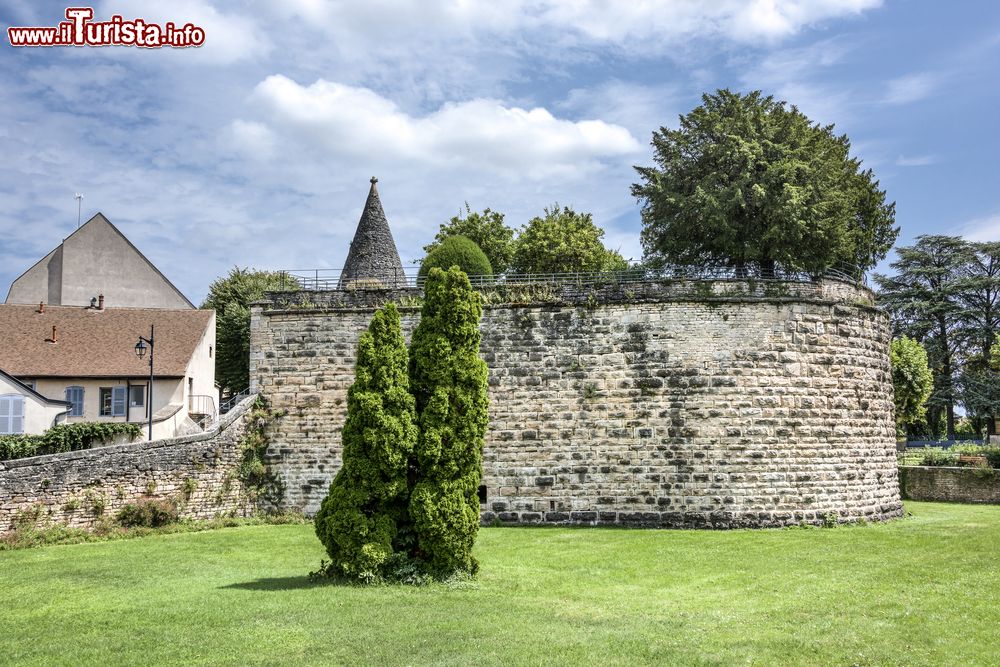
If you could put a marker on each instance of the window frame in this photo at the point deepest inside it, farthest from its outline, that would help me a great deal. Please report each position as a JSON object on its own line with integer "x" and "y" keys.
{"x": 7, "y": 420}
{"x": 73, "y": 405}
{"x": 141, "y": 403}
{"x": 112, "y": 401}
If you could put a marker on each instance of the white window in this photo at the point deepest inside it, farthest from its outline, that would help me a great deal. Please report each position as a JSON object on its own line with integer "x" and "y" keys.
{"x": 112, "y": 400}
{"x": 11, "y": 414}
{"x": 74, "y": 396}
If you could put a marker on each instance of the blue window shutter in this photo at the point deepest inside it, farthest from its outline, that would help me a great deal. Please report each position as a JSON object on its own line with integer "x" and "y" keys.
{"x": 17, "y": 414}
{"x": 118, "y": 401}
{"x": 74, "y": 395}
{"x": 5, "y": 411}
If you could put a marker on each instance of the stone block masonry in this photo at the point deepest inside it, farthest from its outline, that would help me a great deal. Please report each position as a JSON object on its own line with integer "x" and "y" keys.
{"x": 953, "y": 485}
{"x": 78, "y": 489}
{"x": 694, "y": 404}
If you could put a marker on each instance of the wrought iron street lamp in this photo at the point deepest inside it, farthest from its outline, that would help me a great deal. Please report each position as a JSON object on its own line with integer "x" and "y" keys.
{"x": 140, "y": 351}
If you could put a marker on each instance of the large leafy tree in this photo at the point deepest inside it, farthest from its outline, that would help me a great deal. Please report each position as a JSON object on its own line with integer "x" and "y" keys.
{"x": 449, "y": 381}
{"x": 924, "y": 299}
{"x": 487, "y": 229}
{"x": 979, "y": 295}
{"x": 231, "y": 297}
{"x": 748, "y": 181}
{"x": 912, "y": 381}
{"x": 363, "y": 520}
{"x": 564, "y": 241}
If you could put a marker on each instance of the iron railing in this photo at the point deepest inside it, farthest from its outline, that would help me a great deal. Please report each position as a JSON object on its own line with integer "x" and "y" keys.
{"x": 199, "y": 404}
{"x": 232, "y": 401}
{"x": 323, "y": 280}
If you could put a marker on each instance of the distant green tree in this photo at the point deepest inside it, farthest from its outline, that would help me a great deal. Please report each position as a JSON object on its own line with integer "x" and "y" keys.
{"x": 979, "y": 295}
{"x": 231, "y": 297}
{"x": 457, "y": 251}
{"x": 486, "y": 229}
{"x": 564, "y": 241}
{"x": 912, "y": 381}
{"x": 749, "y": 181}
{"x": 924, "y": 299}
{"x": 363, "y": 521}
{"x": 449, "y": 381}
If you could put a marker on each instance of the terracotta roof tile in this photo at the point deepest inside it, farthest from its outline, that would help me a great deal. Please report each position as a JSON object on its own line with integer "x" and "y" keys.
{"x": 97, "y": 343}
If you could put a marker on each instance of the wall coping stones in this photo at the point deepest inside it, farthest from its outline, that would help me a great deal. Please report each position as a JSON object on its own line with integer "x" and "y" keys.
{"x": 238, "y": 411}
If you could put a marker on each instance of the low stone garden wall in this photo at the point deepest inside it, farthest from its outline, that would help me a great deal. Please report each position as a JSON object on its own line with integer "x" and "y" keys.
{"x": 957, "y": 485}
{"x": 78, "y": 489}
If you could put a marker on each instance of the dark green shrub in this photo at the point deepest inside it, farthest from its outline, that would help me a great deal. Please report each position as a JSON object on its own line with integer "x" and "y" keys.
{"x": 65, "y": 438}
{"x": 992, "y": 455}
{"x": 939, "y": 457}
{"x": 147, "y": 513}
{"x": 19, "y": 446}
{"x": 449, "y": 382}
{"x": 457, "y": 251}
{"x": 362, "y": 520}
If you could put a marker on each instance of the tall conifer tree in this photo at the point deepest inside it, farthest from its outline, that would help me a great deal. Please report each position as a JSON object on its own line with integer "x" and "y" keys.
{"x": 449, "y": 381}
{"x": 361, "y": 518}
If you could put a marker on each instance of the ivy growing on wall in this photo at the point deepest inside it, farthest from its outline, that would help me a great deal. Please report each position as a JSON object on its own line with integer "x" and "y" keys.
{"x": 65, "y": 438}
{"x": 258, "y": 483}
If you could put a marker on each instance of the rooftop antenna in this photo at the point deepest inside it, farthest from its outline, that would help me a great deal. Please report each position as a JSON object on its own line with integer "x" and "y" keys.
{"x": 79, "y": 208}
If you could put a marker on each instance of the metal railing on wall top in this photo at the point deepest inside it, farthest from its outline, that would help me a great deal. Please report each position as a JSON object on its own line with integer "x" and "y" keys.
{"x": 322, "y": 280}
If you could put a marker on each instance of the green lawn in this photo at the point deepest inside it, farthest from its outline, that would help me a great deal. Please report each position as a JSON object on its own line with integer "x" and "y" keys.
{"x": 918, "y": 591}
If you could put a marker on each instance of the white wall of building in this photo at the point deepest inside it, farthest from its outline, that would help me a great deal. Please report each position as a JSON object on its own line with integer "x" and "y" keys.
{"x": 38, "y": 415}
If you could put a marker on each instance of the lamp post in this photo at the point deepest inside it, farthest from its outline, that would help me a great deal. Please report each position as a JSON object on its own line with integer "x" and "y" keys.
{"x": 140, "y": 351}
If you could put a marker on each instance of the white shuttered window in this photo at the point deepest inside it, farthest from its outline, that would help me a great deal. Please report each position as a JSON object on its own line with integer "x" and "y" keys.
{"x": 11, "y": 414}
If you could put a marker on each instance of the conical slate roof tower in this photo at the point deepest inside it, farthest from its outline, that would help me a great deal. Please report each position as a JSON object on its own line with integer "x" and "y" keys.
{"x": 373, "y": 255}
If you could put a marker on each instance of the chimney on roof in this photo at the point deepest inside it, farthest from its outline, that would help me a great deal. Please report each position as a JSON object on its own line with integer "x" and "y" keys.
{"x": 54, "y": 339}
{"x": 100, "y": 302}
{"x": 41, "y": 306}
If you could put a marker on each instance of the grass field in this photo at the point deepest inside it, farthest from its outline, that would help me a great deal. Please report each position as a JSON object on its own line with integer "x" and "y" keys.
{"x": 922, "y": 590}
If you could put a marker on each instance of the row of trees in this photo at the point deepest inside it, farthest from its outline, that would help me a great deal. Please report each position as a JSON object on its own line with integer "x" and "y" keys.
{"x": 560, "y": 241}
{"x": 945, "y": 295}
{"x": 405, "y": 500}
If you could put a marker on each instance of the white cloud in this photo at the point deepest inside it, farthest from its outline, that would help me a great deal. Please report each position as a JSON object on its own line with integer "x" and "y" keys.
{"x": 792, "y": 75}
{"x": 481, "y": 134}
{"x": 598, "y": 21}
{"x": 640, "y": 108}
{"x": 915, "y": 160}
{"x": 982, "y": 229}
{"x": 230, "y": 37}
{"x": 910, "y": 88}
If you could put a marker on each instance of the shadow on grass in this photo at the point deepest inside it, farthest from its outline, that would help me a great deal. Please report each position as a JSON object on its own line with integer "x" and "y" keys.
{"x": 280, "y": 584}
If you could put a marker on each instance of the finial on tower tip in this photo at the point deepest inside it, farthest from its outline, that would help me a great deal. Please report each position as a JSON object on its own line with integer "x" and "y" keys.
{"x": 374, "y": 180}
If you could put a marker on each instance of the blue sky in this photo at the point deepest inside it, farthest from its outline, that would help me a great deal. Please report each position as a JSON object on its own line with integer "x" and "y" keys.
{"x": 256, "y": 149}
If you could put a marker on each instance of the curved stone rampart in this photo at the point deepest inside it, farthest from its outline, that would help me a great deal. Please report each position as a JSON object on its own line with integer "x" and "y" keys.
{"x": 709, "y": 404}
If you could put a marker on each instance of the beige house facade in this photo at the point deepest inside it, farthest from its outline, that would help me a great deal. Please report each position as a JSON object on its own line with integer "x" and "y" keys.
{"x": 85, "y": 358}
{"x": 96, "y": 259}
{"x": 25, "y": 411}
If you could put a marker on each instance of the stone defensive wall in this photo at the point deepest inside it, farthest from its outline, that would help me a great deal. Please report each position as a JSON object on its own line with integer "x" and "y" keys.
{"x": 951, "y": 485}
{"x": 79, "y": 489}
{"x": 677, "y": 403}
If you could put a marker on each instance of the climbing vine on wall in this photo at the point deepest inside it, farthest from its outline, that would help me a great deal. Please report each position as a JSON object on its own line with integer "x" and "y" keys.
{"x": 258, "y": 483}
{"x": 65, "y": 438}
